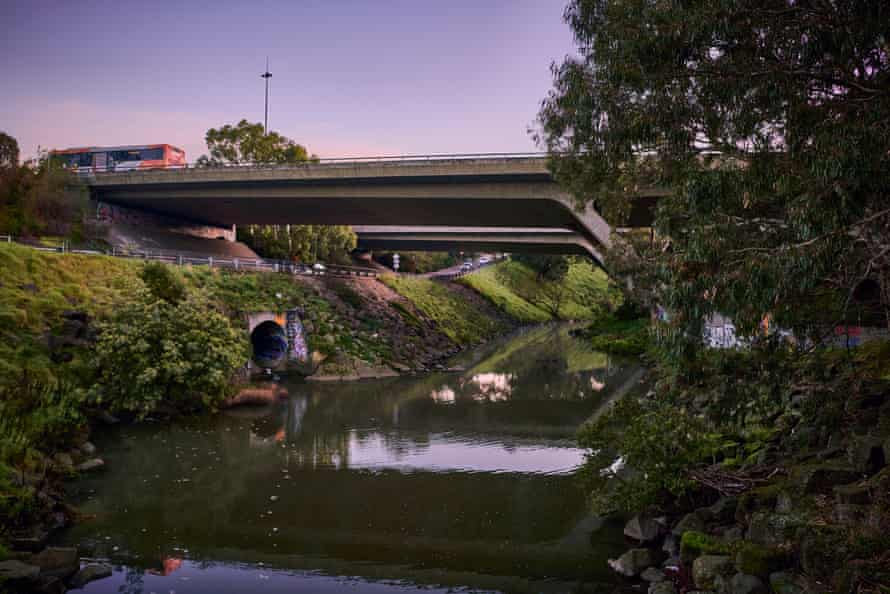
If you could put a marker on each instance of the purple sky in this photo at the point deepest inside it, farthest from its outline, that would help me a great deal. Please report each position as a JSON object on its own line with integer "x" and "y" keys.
{"x": 350, "y": 77}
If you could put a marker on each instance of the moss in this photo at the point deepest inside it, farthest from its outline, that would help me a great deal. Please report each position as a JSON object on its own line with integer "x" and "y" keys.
{"x": 759, "y": 560}
{"x": 695, "y": 544}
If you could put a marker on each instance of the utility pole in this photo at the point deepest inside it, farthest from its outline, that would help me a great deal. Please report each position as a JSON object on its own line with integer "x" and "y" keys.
{"x": 267, "y": 75}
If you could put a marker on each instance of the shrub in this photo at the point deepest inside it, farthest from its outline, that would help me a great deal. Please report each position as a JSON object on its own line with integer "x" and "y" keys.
{"x": 163, "y": 282}
{"x": 155, "y": 352}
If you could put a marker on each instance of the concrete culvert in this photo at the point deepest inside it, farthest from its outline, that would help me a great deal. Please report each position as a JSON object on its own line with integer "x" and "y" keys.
{"x": 269, "y": 344}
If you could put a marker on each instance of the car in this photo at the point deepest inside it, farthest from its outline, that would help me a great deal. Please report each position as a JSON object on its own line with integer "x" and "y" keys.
{"x": 484, "y": 260}
{"x": 466, "y": 266}
{"x": 318, "y": 268}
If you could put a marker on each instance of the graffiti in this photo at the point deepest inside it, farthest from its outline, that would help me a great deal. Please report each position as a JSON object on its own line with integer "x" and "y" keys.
{"x": 112, "y": 213}
{"x": 296, "y": 339}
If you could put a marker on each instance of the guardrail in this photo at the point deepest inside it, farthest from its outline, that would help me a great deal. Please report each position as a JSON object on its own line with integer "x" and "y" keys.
{"x": 124, "y": 168}
{"x": 187, "y": 258}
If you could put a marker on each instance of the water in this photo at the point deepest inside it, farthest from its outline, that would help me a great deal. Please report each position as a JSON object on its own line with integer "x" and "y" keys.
{"x": 446, "y": 482}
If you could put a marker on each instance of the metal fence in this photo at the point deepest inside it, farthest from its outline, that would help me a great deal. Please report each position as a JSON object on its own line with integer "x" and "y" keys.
{"x": 189, "y": 258}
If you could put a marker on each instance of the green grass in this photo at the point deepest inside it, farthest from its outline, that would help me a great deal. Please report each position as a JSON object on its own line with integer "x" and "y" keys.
{"x": 627, "y": 338}
{"x": 463, "y": 324}
{"x": 486, "y": 282}
{"x": 515, "y": 289}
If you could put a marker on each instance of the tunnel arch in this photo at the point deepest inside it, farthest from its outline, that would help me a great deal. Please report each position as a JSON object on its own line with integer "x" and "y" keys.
{"x": 268, "y": 342}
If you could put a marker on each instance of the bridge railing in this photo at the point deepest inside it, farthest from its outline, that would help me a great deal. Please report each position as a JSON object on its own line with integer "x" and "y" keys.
{"x": 190, "y": 258}
{"x": 124, "y": 168}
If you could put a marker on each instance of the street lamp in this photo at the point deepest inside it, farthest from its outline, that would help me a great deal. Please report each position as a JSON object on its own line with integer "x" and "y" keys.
{"x": 267, "y": 75}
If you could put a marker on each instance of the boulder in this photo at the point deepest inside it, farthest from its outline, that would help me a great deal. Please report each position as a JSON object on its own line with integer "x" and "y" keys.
{"x": 866, "y": 454}
{"x": 63, "y": 462}
{"x": 694, "y": 544}
{"x": 671, "y": 545}
{"x": 91, "y": 465}
{"x": 662, "y": 588}
{"x": 652, "y": 574}
{"x": 88, "y": 448}
{"x": 784, "y": 583}
{"x": 633, "y": 562}
{"x": 60, "y": 562}
{"x": 642, "y": 528}
{"x": 91, "y": 572}
{"x": 691, "y": 521}
{"x": 768, "y": 528}
{"x": 850, "y": 514}
{"x": 47, "y": 584}
{"x": 759, "y": 560}
{"x": 742, "y": 583}
{"x": 18, "y": 574}
{"x": 723, "y": 511}
{"x": 823, "y": 478}
{"x": 33, "y": 540}
{"x": 707, "y": 568}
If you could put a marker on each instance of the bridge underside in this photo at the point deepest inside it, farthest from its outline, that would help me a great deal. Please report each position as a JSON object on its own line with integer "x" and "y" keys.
{"x": 517, "y": 240}
{"x": 487, "y": 193}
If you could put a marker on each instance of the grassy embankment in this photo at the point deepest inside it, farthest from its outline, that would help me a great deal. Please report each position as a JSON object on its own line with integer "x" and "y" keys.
{"x": 464, "y": 323}
{"x": 514, "y": 288}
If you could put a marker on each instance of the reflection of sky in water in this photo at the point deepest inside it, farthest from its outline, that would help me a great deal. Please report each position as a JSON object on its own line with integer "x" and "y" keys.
{"x": 447, "y": 452}
{"x": 193, "y": 578}
{"x": 493, "y": 387}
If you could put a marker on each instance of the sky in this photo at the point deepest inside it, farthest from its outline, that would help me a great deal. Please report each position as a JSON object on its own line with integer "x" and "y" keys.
{"x": 349, "y": 77}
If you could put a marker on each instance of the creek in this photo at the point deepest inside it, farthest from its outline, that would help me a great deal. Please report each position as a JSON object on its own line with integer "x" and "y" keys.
{"x": 461, "y": 481}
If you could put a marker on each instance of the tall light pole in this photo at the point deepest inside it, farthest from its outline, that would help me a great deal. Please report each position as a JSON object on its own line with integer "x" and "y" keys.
{"x": 267, "y": 75}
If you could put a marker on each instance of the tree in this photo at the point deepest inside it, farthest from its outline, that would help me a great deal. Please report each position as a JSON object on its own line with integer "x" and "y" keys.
{"x": 767, "y": 121}
{"x": 246, "y": 143}
{"x": 9, "y": 151}
{"x": 550, "y": 276}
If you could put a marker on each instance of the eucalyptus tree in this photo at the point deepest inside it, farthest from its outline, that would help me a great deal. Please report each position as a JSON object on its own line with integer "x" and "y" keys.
{"x": 768, "y": 121}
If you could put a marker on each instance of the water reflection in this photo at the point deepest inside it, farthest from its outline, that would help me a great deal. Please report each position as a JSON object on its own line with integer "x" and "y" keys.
{"x": 436, "y": 479}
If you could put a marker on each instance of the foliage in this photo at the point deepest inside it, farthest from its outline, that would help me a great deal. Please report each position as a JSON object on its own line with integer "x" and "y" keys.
{"x": 154, "y": 352}
{"x": 37, "y": 197}
{"x": 766, "y": 124}
{"x": 9, "y": 151}
{"x": 626, "y": 338}
{"x": 656, "y": 440}
{"x": 248, "y": 143}
{"x": 463, "y": 325}
{"x": 303, "y": 243}
{"x": 488, "y": 283}
{"x": 419, "y": 262}
{"x": 163, "y": 282}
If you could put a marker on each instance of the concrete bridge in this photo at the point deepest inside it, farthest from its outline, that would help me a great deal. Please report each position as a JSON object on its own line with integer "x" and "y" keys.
{"x": 513, "y": 192}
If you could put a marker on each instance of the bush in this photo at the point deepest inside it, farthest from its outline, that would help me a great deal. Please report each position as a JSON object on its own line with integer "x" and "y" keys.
{"x": 163, "y": 282}
{"x": 656, "y": 440}
{"x": 154, "y": 352}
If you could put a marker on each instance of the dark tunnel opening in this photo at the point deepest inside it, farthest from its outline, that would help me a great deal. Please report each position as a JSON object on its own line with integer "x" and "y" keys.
{"x": 269, "y": 344}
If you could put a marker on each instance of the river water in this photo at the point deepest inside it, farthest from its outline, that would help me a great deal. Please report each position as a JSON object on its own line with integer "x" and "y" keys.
{"x": 451, "y": 482}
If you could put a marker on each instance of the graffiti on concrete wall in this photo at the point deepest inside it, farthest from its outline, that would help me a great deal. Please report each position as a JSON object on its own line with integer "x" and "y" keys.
{"x": 296, "y": 337}
{"x": 113, "y": 213}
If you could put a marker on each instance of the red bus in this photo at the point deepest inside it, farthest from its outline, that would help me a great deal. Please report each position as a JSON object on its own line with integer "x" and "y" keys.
{"x": 120, "y": 158}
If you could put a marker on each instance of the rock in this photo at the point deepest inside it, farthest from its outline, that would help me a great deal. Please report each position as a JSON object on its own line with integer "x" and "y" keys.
{"x": 16, "y": 573}
{"x": 822, "y": 479}
{"x": 730, "y": 534}
{"x": 671, "y": 545}
{"x": 694, "y": 544}
{"x": 47, "y": 584}
{"x": 662, "y": 588}
{"x": 652, "y": 574}
{"x": 60, "y": 562}
{"x": 91, "y": 572}
{"x": 850, "y": 514}
{"x": 742, "y": 583}
{"x": 64, "y": 462}
{"x": 768, "y": 528}
{"x": 754, "y": 559}
{"x": 642, "y": 528}
{"x": 819, "y": 546}
{"x": 633, "y": 562}
{"x": 91, "y": 465}
{"x": 784, "y": 583}
{"x": 691, "y": 521}
{"x": 866, "y": 454}
{"x": 723, "y": 510}
{"x": 706, "y": 568}
{"x": 88, "y": 448}
{"x": 33, "y": 540}
{"x": 108, "y": 418}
